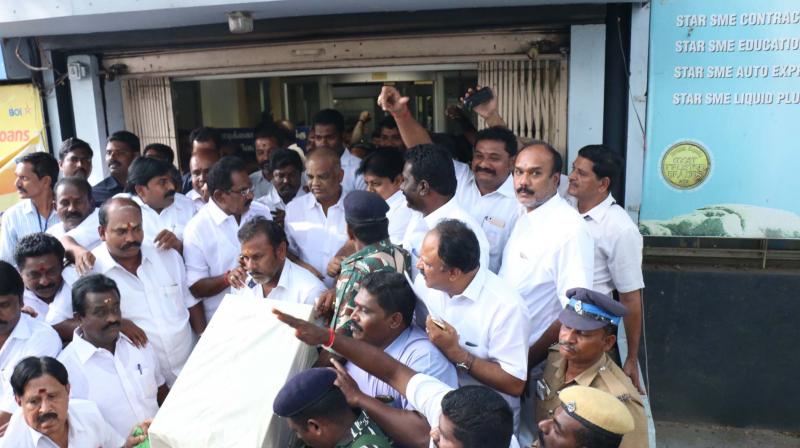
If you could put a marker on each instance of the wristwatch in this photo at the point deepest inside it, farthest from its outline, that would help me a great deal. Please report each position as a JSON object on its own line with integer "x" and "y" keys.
{"x": 466, "y": 364}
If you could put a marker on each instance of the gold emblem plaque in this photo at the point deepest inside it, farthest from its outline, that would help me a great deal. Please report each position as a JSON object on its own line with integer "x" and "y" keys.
{"x": 685, "y": 165}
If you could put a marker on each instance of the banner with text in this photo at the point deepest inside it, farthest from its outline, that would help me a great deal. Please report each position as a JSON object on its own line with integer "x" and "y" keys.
{"x": 21, "y": 132}
{"x": 722, "y": 119}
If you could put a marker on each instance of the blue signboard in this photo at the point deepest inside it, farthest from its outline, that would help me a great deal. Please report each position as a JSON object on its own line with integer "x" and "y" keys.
{"x": 723, "y": 119}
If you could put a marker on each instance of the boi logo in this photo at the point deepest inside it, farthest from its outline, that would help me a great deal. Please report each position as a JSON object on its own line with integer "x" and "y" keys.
{"x": 18, "y": 111}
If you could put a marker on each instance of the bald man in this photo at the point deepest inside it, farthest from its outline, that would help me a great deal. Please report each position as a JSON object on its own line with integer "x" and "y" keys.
{"x": 315, "y": 224}
{"x": 151, "y": 282}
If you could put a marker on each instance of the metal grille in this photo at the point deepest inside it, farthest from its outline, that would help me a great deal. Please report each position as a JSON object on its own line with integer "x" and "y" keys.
{"x": 147, "y": 105}
{"x": 532, "y": 96}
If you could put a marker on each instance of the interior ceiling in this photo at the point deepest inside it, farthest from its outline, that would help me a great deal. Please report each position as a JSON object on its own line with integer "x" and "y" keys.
{"x": 70, "y": 17}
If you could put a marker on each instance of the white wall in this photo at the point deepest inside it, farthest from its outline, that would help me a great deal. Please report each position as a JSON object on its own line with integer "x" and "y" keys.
{"x": 587, "y": 62}
{"x": 637, "y": 105}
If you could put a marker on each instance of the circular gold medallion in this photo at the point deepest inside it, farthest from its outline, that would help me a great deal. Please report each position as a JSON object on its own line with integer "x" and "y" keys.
{"x": 685, "y": 165}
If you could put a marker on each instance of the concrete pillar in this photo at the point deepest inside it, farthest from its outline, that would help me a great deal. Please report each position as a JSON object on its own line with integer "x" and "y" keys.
{"x": 586, "y": 88}
{"x": 89, "y": 112}
{"x": 634, "y": 159}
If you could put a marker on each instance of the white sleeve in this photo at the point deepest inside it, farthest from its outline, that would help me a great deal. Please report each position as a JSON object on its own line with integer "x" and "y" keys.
{"x": 575, "y": 264}
{"x": 86, "y": 233}
{"x": 193, "y": 256}
{"x": 7, "y": 239}
{"x": 425, "y": 394}
{"x": 508, "y": 340}
{"x": 188, "y": 299}
{"x": 625, "y": 261}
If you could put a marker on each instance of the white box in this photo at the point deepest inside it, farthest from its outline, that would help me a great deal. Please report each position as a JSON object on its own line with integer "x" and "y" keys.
{"x": 223, "y": 397}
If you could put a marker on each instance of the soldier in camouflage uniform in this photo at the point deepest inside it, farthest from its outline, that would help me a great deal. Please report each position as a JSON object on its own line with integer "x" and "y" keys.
{"x": 317, "y": 411}
{"x": 368, "y": 227}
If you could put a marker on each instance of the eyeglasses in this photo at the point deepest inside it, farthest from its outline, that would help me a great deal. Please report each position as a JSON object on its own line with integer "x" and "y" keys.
{"x": 244, "y": 192}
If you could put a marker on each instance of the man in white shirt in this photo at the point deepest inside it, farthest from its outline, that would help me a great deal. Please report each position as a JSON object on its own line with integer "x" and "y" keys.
{"x": 550, "y": 249}
{"x": 474, "y": 416}
{"x": 77, "y": 230}
{"x": 104, "y": 366}
{"x": 429, "y": 185}
{"x": 151, "y": 282}
{"x": 328, "y": 133}
{"x": 40, "y": 260}
{"x": 287, "y": 174}
{"x": 49, "y": 419}
{"x": 266, "y": 272}
{"x": 617, "y": 243}
{"x": 165, "y": 212}
{"x": 20, "y": 336}
{"x": 210, "y": 247}
{"x": 199, "y": 166}
{"x": 383, "y": 174}
{"x": 475, "y": 319}
{"x": 36, "y": 175}
{"x": 267, "y": 139}
{"x": 315, "y": 223}
{"x": 548, "y": 252}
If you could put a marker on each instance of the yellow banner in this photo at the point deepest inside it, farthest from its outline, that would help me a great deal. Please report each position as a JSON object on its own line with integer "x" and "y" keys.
{"x": 21, "y": 132}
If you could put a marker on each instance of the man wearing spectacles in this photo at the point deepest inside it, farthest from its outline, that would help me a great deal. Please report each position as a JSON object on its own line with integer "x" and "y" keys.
{"x": 210, "y": 245}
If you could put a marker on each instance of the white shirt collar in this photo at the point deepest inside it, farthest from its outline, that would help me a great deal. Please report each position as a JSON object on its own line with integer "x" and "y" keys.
{"x": 312, "y": 201}
{"x": 22, "y": 330}
{"x": 440, "y": 213}
{"x": 217, "y": 214}
{"x": 396, "y": 198}
{"x": 544, "y": 209}
{"x": 193, "y": 195}
{"x": 475, "y": 287}
{"x": 85, "y": 349}
{"x": 598, "y": 212}
{"x": 104, "y": 262}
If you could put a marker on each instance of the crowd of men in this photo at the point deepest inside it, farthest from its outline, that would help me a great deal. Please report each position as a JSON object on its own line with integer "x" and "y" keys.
{"x": 456, "y": 304}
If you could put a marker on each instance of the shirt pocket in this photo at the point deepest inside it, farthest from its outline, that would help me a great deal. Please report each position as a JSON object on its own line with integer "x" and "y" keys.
{"x": 172, "y": 298}
{"x": 147, "y": 381}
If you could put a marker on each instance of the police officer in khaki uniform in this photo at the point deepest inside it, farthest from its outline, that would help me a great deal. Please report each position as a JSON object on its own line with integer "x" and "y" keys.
{"x": 588, "y": 330}
{"x": 317, "y": 411}
{"x": 587, "y": 417}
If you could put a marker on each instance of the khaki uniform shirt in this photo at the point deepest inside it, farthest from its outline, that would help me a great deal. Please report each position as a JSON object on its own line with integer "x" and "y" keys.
{"x": 604, "y": 375}
{"x": 382, "y": 256}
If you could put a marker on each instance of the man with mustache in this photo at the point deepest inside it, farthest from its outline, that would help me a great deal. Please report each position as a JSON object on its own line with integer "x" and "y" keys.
{"x": 50, "y": 418}
{"x": 151, "y": 282}
{"x": 618, "y": 243}
{"x": 199, "y": 166}
{"x": 104, "y": 366}
{"x": 36, "y": 176}
{"x": 287, "y": 176}
{"x": 587, "y": 417}
{"x": 384, "y": 310}
{"x": 487, "y": 191}
{"x": 20, "y": 336}
{"x": 270, "y": 274}
{"x": 315, "y": 223}
{"x": 470, "y": 314}
{"x": 122, "y": 148}
{"x": 165, "y": 212}
{"x": 77, "y": 230}
{"x": 588, "y": 329}
{"x": 210, "y": 246}
{"x": 40, "y": 259}
{"x": 469, "y": 417}
{"x": 549, "y": 251}
{"x": 268, "y": 138}
{"x": 75, "y": 158}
